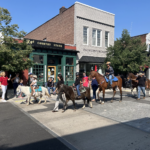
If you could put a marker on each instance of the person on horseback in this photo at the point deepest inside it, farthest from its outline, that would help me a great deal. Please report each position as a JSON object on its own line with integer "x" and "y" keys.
{"x": 77, "y": 84}
{"x": 34, "y": 84}
{"x": 109, "y": 73}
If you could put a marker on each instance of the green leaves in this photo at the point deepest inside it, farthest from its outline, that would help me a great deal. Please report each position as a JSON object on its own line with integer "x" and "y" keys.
{"x": 14, "y": 56}
{"x": 127, "y": 54}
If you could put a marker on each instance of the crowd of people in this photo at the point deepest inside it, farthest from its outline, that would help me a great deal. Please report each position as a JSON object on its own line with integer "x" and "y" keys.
{"x": 32, "y": 82}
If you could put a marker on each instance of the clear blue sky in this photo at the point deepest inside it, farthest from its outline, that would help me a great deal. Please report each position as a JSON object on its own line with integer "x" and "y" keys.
{"x": 133, "y": 15}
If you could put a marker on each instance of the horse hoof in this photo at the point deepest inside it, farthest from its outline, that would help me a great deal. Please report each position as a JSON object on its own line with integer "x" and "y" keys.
{"x": 83, "y": 107}
{"x": 102, "y": 102}
{"x": 111, "y": 101}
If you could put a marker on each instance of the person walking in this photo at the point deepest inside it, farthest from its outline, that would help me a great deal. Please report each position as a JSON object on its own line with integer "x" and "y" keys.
{"x": 15, "y": 81}
{"x": 77, "y": 84}
{"x": 94, "y": 85}
{"x": 3, "y": 85}
{"x": 141, "y": 85}
{"x": 60, "y": 81}
{"x": 50, "y": 85}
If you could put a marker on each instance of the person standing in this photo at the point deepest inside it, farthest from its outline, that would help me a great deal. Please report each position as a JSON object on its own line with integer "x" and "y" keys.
{"x": 3, "y": 84}
{"x": 50, "y": 85}
{"x": 94, "y": 87}
{"x": 77, "y": 84}
{"x": 60, "y": 82}
{"x": 15, "y": 81}
{"x": 85, "y": 80}
{"x": 141, "y": 85}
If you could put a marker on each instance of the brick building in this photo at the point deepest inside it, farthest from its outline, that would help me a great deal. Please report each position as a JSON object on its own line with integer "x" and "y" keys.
{"x": 90, "y": 29}
{"x": 145, "y": 38}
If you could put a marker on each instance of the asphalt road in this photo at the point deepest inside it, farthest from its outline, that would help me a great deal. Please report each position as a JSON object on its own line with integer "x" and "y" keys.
{"x": 19, "y": 132}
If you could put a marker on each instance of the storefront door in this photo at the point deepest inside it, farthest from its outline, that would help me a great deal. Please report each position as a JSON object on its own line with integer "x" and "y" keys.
{"x": 51, "y": 73}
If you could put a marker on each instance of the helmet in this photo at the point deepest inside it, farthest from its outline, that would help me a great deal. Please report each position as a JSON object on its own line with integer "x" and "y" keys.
{"x": 77, "y": 73}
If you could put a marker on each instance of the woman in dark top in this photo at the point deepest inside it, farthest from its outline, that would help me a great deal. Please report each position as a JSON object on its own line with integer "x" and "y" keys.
{"x": 60, "y": 81}
{"x": 94, "y": 87}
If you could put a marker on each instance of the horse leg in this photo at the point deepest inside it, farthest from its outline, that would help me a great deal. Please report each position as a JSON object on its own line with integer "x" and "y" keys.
{"x": 120, "y": 88}
{"x": 114, "y": 92}
{"x": 103, "y": 96}
{"x": 99, "y": 96}
{"x": 84, "y": 104}
{"x": 40, "y": 99}
{"x": 28, "y": 102}
{"x": 74, "y": 105}
{"x": 65, "y": 106}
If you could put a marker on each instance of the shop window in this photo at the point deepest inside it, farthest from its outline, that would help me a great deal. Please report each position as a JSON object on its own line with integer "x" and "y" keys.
{"x": 38, "y": 59}
{"x": 85, "y": 35}
{"x": 106, "y": 39}
{"x": 96, "y": 37}
{"x": 69, "y": 73}
{"x": 39, "y": 71}
{"x": 59, "y": 70}
{"x": 69, "y": 61}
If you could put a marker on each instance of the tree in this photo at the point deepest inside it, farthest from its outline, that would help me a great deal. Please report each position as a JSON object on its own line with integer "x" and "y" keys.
{"x": 14, "y": 55}
{"x": 127, "y": 54}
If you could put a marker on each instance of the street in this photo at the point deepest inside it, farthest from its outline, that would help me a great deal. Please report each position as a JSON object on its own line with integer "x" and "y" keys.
{"x": 119, "y": 125}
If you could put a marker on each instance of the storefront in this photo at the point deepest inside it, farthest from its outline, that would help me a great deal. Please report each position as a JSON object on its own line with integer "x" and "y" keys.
{"x": 52, "y": 59}
{"x": 88, "y": 63}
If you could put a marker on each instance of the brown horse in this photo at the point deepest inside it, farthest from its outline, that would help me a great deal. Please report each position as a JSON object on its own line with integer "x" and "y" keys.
{"x": 133, "y": 78}
{"x": 70, "y": 95}
{"x": 103, "y": 85}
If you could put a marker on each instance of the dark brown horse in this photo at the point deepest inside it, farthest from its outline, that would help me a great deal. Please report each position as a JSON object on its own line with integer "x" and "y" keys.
{"x": 134, "y": 83}
{"x": 103, "y": 85}
{"x": 70, "y": 95}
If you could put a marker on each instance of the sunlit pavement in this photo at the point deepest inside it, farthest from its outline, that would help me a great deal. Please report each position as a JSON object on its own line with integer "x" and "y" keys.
{"x": 112, "y": 126}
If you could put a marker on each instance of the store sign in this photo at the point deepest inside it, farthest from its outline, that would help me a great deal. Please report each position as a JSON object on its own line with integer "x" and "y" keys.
{"x": 44, "y": 44}
{"x": 94, "y": 51}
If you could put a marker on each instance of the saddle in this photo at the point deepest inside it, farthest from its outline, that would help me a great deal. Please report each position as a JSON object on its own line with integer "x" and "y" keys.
{"x": 114, "y": 79}
{"x": 37, "y": 89}
{"x": 81, "y": 89}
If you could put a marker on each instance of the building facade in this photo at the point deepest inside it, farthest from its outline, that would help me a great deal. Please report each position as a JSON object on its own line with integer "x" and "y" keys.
{"x": 145, "y": 38}
{"x": 90, "y": 29}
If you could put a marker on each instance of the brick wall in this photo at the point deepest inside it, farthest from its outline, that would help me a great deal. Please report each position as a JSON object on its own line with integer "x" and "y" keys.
{"x": 59, "y": 29}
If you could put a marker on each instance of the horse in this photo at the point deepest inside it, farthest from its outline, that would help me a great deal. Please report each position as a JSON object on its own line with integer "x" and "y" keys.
{"x": 103, "y": 85}
{"x": 70, "y": 95}
{"x": 26, "y": 91}
{"x": 133, "y": 78}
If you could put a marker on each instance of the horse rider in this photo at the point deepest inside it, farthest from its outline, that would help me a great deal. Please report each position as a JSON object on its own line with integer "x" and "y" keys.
{"x": 141, "y": 70}
{"x": 109, "y": 73}
{"x": 77, "y": 84}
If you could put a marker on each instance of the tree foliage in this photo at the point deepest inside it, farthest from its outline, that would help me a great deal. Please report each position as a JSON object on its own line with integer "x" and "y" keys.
{"x": 14, "y": 55}
{"x": 127, "y": 54}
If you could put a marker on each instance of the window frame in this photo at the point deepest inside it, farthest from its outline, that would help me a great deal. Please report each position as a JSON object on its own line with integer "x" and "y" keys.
{"x": 108, "y": 39}
{"x": 96, "y": 37}
{"x": 87, "y": 35}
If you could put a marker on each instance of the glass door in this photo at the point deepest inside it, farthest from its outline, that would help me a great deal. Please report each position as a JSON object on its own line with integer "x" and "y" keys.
{"x": 51, "y": 73}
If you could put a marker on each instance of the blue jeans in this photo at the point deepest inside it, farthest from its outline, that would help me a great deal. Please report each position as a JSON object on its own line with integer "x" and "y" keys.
{"x": 78, "y": 91}
{"x": 94, "y": 91}
{"x": 49, "y": 91}
{"x": 110, "y": 79}
{"x": 15, "y": 85}
{"x": 139, "y": 91}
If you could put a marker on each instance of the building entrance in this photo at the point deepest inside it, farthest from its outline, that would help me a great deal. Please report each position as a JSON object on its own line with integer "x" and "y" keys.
{"x": 51, "y": 73}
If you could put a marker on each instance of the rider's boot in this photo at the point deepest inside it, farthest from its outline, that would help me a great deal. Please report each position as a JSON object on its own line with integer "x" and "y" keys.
{"x": 79, "y": 97}
{"x": 109, "y": 85}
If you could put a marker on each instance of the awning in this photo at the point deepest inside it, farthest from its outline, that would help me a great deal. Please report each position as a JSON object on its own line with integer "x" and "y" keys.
{"x": 90, "y": 59}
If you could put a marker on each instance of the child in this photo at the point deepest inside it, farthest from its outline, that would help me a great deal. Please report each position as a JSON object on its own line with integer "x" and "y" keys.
{"x": 34, "y": 83}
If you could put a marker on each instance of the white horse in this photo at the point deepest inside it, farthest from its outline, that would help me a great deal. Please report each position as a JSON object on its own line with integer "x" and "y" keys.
{"x": 26, "y": 90}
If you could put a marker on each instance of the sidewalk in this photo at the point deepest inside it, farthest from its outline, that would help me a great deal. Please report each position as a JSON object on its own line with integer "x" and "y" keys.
{"x": 85, "y": 130}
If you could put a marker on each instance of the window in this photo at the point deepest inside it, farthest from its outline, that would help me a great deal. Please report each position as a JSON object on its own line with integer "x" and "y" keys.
{"x": 69, "y": 73}
{"x": 96, "y": 37}
{"x": 38, "y": 59}
{"x": 39, "y": 71}
{"x": 85, "y": 35}
{"x": 106, "y": 39}
{"x": 69, "y": 61}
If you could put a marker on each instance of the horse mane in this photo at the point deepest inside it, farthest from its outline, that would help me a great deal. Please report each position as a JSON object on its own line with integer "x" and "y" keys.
{"x": 98, "y": 74}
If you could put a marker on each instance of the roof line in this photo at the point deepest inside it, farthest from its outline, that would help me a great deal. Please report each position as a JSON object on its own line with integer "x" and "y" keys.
{"x": 139, "y": 35}
{"x": 94, "y": 8}
{"x": 49, "y": 20}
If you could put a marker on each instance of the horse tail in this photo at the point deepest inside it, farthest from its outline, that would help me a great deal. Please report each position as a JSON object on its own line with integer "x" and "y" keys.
{"x": 46, "y": 93}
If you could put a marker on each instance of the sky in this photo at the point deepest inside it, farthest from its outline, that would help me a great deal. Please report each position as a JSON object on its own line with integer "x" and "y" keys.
{"x": 133, "y": 15}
